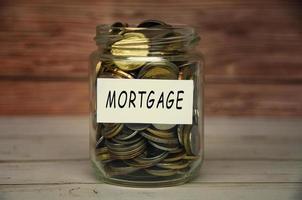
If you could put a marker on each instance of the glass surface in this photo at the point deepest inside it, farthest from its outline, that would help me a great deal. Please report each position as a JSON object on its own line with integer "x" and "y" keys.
{"x": 147, "y": 155}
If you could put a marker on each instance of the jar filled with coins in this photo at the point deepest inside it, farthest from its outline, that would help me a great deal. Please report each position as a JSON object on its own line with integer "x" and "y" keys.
{"x": 146, "y": 104}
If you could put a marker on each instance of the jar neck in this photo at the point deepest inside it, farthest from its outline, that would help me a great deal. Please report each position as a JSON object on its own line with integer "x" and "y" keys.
{"x": 174, "y": 40}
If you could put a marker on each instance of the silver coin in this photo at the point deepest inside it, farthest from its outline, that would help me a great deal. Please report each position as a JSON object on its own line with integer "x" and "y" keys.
{"x": 126, "y": 134}
{"x": 119, "y": 168}
{"x": 164, "y": 126}
{"x": 165, "y": 147}
{"x": 194, "y": 141}
{"x": 156, "y": 171}
{"x": 100, "y": 142}
{"x": 180, "y": 134}
{"x": 144, "y": 162}
{"x": 137, "y": 127}
{"x": 129, "y": 141}
{"x": 162, "y": 70}
{"x": 154, "y": 138}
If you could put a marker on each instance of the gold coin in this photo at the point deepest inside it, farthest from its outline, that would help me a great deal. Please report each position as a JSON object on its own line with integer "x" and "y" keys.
{"x": 145, "y": 162}
{"x": 123, "y": 149}
{"x": 165, "y": 147}
{"x": 185, "y": 136}
{"x": 191, "y": 157}
{"x": 173, "y": 165}
{"x": 132, "y": 44}
{"x": 180, "y": 134}
{"x": 113, "y": 132}
{"x": 158, "y": 72}
{"x": 175, "y": 157}
{"x": 126, "y": 134}
{"x": 155, "y": 171}
{"x": 98, "y": 67}
{"x": 137, "y": 127}
{"x": 164, "y": 126}
{"x": 101, "y": 150}
{"x": 129, "y": 155}
{"x": 162, "y": 134}
{"x": 186, "y": 71}
{"x": 128, "y": 141}
{"x": 157, "y": 139}
{"x": 103, "y": 156}
{"x": 120, "y": 73}
{"x": 119, "y": 168}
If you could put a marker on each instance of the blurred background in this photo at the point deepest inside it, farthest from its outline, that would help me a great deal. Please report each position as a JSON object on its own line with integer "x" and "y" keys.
{"x": 253, "y": 52}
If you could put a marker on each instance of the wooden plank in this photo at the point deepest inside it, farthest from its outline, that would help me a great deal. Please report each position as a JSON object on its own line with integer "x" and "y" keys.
{"x": 256, "y": 41}
{"x": 253, "y": 99}
{"x": 71, "y": 97}
{"x": 41, "y": 97}
{"x": 253, "y": 138}
{"x": 217, "y": 171}
{"x": 55, "y": 138}
{"x": 189, "y": 192}
{"x": 63, "y": 138}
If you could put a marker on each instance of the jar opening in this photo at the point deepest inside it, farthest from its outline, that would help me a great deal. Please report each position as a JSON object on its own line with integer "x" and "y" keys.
{"x": 172, "y": 39}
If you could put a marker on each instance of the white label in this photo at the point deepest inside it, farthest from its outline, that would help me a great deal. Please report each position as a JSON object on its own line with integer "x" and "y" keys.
{"x": 144, "y": 101}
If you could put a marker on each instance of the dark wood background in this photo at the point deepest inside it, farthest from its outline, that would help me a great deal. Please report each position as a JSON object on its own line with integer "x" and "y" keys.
{"x": 252, "y": 48}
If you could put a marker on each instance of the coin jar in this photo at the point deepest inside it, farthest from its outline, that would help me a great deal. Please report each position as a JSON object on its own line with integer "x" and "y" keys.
{"x": 146, "y": 104}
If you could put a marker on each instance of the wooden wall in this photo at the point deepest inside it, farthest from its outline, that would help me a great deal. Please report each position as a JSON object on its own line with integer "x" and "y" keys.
{"x": 252, "y": 48}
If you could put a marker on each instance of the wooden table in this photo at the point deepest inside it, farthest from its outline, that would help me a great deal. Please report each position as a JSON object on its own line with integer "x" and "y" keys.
{"x": 246, "y": 158}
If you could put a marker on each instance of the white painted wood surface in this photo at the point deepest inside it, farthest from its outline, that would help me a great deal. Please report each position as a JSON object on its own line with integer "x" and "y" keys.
{"x": 246, "y": 158}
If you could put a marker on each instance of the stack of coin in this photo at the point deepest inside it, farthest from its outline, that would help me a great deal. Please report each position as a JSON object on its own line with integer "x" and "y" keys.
{"x": 157, "y": 150}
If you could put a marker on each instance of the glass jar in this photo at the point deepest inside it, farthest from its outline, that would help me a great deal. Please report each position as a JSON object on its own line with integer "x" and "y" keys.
{"x": 146, "y": 105}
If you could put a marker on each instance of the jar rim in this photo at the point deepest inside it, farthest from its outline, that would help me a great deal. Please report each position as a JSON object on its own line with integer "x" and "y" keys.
{"x": 135, "y": 28}
{"x": 185, "y": 34}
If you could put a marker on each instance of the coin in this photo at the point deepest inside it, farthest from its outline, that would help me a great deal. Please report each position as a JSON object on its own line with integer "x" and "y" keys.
{"x": 154, "y": 138}
{"x": 104, "y": 157}
{"x": 112, "y": 131}
{"x": 119, "y": 168}
{"x": 173, "y": 165}
{"x": 175, "y": 157}
{"x": 118, "y": 28}
{"x": 156, "y": 149}
{"x": 126, "y": 134}
{"x": 158, "y": 70}
{"x": 144, "y": 162}
{"x": 156, "y": 171}
{"x": 100, "y": 142}
{"x": 137, "y": 127}
{"x": 101, "y": 150}
{"x": 152, "y": 23}
{"x": 132, "y": 44}
{"x": 164, "y": 126}
{"x": 191, "y": 157}
{"x": 180, "y": 134}
{"x": 126, "y": 151}
{"x": 115, "y": 147}
{"x": 129, "y": 155}
{"x": 186, "y": 131}
{"x": 194, "y": 141}
{"x": 120, "y": 73}
{"x": 195, "y": 116}
{"x": 98, "y": 67}
{"x": 162, "y": 134}
{"x": 154, "y": 29}
{"x": 165, "y": 147}
{"x": 186, "y": 71}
